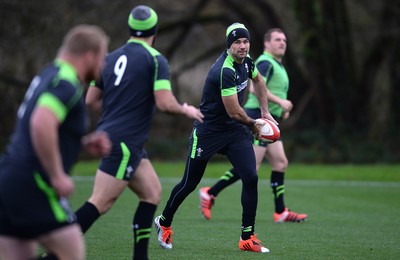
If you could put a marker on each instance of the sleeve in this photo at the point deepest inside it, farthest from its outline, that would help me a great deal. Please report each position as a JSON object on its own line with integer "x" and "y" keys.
{"x": 253, "y": 71}
{"x": 266, "y": 69}
{"x": 162, "y": 74}
{"x": 97, "y": 84}
{"x": 227, "y": 82}
{"x": 60, "y": 99}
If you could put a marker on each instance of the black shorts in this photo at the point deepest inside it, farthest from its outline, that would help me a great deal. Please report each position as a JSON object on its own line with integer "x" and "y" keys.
{"x": 256, "y": 113}
{"x": 29, "y": 206}
{"x": 204, "y": 146}
{"x": 122, "y": 161}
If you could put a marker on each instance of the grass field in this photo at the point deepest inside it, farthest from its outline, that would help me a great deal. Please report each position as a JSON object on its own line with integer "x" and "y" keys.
{"x": 353, "y": 214}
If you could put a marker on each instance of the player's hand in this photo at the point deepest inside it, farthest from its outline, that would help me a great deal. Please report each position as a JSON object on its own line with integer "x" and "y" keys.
{"x": 97, "y": 143}
{"x": 192, "y": 112}
{"x": 286, "y": 105}
{"x": 270, "y": 117}
{"x": 255, "y": 129}
{"x": 259, "y": 122}
{"x": 285, "y": 115}
{"x": 62, "y": 184}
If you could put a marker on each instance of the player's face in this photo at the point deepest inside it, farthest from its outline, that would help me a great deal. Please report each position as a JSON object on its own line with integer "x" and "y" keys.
{"x": 277, "y": 45}
{"x": 239, "y": 49}
{"x": 97, "y": 65}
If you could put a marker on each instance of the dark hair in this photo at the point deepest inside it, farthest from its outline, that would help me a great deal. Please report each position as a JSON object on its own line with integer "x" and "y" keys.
{"x": 267, "y": 35}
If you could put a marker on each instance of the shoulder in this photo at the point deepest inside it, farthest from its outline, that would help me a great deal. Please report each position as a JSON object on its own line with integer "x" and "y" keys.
{"x": 264, "y": 59}
{"x": 66, "y": 73}
{"x": 225, "y": 61}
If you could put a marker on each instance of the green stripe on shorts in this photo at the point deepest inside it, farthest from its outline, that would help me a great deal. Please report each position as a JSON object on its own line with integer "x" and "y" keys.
{"x": 55, "y": 206}
{"x": 126, "y": 155}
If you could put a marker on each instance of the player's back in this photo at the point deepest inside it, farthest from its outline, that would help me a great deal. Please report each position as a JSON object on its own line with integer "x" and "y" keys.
{"x": 128, "y": 91}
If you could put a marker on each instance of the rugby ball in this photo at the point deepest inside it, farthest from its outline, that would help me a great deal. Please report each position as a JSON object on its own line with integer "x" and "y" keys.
{"x": 269, "y": 132}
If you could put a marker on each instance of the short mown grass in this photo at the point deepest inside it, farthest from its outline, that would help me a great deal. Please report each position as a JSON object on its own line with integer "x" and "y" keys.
{"x": 353, "y": 214}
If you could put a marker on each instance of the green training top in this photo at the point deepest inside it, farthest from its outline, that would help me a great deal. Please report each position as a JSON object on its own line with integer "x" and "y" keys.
{"x": 277, "y": 80}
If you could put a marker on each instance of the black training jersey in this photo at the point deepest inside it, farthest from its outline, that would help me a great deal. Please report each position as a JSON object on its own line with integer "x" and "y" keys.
{"x": 57, "y": 88}
{"x": 131, "y": 75}
{"x": 225, "y": 78}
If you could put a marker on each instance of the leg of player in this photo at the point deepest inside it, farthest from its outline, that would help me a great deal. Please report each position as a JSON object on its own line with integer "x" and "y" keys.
{"x": 193, "y": 173}
{"x": 66, "y": 242}
{"x": 244, "y": 163}
{"x": 11, "y": 248}
{"x": 209, "y": 194}
{"x": 259, "y": 152}
{"x": 147, "y": 186}
{"x": 279, "y": 162}
{"x": 106, "y": 190}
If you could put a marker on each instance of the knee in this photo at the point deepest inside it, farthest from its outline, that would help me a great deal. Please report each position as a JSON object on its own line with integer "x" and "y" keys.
{"x": 280, "y": 165}
{"x": 103, "y": 204}
{"x": 152, "y": 195}
{"x": 155, "y": 196}
{"x": 250, "y": 179}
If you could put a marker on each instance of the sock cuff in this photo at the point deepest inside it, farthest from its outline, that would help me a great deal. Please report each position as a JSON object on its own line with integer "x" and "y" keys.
{"x": 277, "y": 177}
{"x": 147, "y": 205}
{"x": 92, "y": 208}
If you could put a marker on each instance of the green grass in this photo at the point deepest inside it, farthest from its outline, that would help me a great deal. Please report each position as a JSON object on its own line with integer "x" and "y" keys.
{"x": 353, "y": 214}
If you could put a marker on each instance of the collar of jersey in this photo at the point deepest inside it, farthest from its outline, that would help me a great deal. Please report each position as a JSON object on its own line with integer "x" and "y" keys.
{"x": 270, "y": 55}
{"x": 136, "y": 41}
{"x": 230, "y": 58}
{"x": 66, "y": 65}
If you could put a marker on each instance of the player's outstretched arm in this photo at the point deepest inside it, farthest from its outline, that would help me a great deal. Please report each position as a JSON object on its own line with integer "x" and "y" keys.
{"x": 166, "y": 102}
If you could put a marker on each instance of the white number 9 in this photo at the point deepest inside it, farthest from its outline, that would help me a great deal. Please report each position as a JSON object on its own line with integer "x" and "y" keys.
{"x": 119, "y": 69}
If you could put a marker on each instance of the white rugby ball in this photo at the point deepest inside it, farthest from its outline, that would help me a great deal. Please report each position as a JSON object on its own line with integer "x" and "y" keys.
{"x": 269, "y": 132}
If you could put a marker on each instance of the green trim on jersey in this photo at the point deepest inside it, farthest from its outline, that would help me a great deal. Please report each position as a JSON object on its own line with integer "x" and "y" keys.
{"x": 51, "y": 102}
{"x": 194, "y": 145}
{"x": 158, "y": 84}
{"x": 228, "y": 64}
{"x": 229, "y": 91}
{"x": 162, "y": 84}
{"x": 126, "y": 155}
{"x": 52, "y": 197}
{"x": 67, "y": 72}
{"x": 255, "y": 72}
{"x": 277, "y": 82}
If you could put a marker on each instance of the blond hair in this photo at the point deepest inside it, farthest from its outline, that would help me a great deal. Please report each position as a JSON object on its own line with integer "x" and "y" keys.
{"x": 84, "y": 38}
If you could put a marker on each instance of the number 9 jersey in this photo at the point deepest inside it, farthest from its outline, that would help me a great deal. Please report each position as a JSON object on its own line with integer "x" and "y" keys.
{"x": 131, "y": 75}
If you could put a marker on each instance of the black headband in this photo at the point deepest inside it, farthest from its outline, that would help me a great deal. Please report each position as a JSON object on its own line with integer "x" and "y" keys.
{"x": 236, "y": 34}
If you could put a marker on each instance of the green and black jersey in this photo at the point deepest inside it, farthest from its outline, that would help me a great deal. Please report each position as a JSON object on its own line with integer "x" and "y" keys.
{"x": 225, "y": 78}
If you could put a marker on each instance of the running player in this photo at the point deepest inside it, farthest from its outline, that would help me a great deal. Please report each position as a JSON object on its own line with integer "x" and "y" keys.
{"x": 34, "y": 181}
{"x": 134, "y": 82}
{"x": 226, "y": 131}
{"x": 270, "y": 66}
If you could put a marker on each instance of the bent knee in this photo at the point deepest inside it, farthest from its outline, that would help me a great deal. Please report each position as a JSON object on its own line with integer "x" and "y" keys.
{"x": 103, "y": 204}
{"x": 152, "y": 196}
